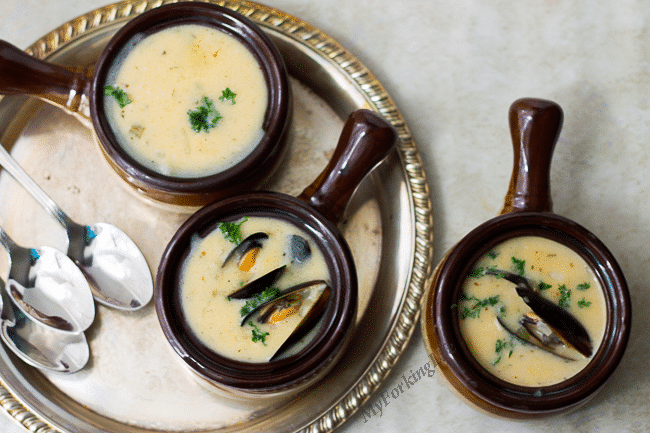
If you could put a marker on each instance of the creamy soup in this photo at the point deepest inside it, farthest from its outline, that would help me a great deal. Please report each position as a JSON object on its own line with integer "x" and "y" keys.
{"x": 186, "y": 101}
{"x": 490, "y": 304}
{"x": 208, "y": 287}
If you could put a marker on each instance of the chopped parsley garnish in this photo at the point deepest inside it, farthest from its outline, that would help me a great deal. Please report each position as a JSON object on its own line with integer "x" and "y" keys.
{"x": 258, "y": 335}
{"x": 583, "y": 303}
{"x": 475, "y": 309}
{"x": 492, "y": 254}
{"x": 204, "y": 117}
{"x": 254, "y": 302}
{"x": 519, "y": 265}
{"x": 227, "y": 95}
{"x": 477, "y": 272}
{"x": 232, "y": 231}
{"x": 482, "y": 271}
{"x": 583, "y": 286}
{"x": 543, "y": 286}
{"x": 120, "y": 95}
{"x": 565, "y": 296}
{"x": 501, "y": 346}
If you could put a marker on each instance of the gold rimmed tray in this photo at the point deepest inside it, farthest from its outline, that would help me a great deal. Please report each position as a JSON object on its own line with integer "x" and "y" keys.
{"x": 134, "y": 382}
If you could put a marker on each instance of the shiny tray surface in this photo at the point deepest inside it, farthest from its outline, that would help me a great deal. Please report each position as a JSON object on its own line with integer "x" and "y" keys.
{"x": 134, "y": 382}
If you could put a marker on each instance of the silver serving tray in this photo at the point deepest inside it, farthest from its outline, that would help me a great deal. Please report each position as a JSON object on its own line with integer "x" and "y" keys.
{"x": 134, "y": 382}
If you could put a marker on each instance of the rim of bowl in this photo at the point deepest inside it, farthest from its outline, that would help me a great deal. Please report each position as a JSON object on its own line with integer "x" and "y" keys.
{"x": 275, "y": 375}
{"x": 276, "y": 120}
{"x": 473, "y": 381}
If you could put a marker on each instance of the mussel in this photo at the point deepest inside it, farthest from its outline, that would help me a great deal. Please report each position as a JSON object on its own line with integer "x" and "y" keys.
{"x": 308, "y": 300}
{"x": 258, "y": 285}
{"x": 309, "y": 319}
{"x": 562, "y": 324}
{"x": 287, "y": 302}
{"x": 300, "y": 250}
{"x": 246, "y": 251}
{"x": 534, "y": 331}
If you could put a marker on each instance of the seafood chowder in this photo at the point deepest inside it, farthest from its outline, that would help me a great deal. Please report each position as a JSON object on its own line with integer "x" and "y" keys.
{"x": 186, "y": 101}
{"x": 505, "y": 335}
{"x": 253, "y": 290}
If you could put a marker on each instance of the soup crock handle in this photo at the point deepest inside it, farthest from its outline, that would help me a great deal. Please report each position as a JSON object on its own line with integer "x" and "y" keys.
{"x": 535, "y": 126}
{"x": 366, "y": 139}
{"x": 22, "y": 74}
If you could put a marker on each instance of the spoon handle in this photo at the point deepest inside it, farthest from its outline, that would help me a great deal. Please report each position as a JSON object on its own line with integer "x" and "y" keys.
{"x": 16, "y": 171}
{"x": 535, "y": 128}
{"x": 6, "y": 242}
{"x": 365, "y": 140}
{"x": 22, "y": 74}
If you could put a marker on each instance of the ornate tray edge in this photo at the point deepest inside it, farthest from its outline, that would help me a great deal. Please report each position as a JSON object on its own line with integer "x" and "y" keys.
{"x": 378, "y": 99}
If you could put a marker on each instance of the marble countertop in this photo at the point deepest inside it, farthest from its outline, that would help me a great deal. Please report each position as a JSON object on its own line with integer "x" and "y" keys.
{"x": 453, "y": 69}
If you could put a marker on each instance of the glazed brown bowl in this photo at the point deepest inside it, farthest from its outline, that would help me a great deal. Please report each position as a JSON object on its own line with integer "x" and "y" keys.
{"x": 535, "y": 126}
{"x": 365, "y": 140}
{"x": 81, "y": 90}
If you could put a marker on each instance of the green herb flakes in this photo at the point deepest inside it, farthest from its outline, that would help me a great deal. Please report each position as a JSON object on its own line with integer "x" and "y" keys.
{"x": 204, "y": 117}
{"x": 257, "y": 334}
{"x": 482, "y": 271}
{"x": 583, "y": 286}
{"x": 543, "y": 286}
{"x": 583, "y": 303}
{"x": 565, "y": 296}
{"x": 262, "y": 297}
{"x": 232, "y": 231}
{"x": 519, "y": 265}
{"x": 501, "y": 346}
{"x": 227, "y": 95}
{"x": 120, "y": 95}
{"x": 474, "y": 310}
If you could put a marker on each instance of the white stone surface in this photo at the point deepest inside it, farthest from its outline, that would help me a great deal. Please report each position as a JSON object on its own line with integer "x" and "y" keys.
{"x": 453, "y": 68}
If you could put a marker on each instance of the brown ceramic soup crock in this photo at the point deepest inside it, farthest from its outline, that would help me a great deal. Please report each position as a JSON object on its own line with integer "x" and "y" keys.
{"x": 535, "y": 126}
{"x": 81, "y": 90}
{"x": 365, "y": 140}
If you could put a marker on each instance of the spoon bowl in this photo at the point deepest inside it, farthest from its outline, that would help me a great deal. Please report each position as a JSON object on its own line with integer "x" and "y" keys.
{"x": 40, "y": 346}
{"x": 48, "y": 287}
{"x": 113, "y": 264}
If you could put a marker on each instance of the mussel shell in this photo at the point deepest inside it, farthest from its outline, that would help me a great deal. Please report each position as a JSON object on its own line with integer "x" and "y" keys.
{"x": 308, "y": 322}
{"x": 282, "y": 295}
{"x": 281, "y": 304}
{"x": 517, "y": 280}
{"x": 255, "y": 240}
{"x": 541, "y": 331}
{"x": 258, "y": 285}
{"x": 524, "y": 333}
{"x": 567, "y": 327}
{"x": 300, "y": 249}
{"x": 561, "y": 322}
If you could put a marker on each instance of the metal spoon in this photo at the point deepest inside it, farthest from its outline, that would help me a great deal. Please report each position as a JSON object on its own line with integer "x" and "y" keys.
{"x": 114, "y": 265}
{"x": 40, "y": 346}
{"x": 48, "y": 287}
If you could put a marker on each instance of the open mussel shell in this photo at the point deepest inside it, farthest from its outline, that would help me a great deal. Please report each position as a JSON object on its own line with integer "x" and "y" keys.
{"x": 258, "y": 285}
{"x": 535, "y": 332}
{"x": 266, "y": 308}
{"x": 563, "y": 324}
{"x": 308, "y": 322}
{"x": 541, "y": 331}
{"x": 253, "y": 241}
{"x": 559, "y": 321}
